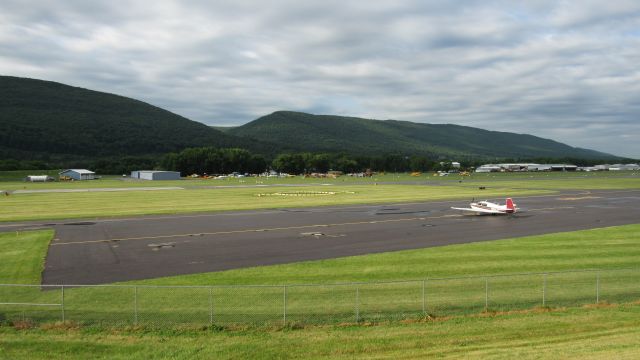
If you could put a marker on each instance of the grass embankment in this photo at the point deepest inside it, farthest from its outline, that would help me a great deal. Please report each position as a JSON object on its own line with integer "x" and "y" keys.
{"x": 583, "y": 333}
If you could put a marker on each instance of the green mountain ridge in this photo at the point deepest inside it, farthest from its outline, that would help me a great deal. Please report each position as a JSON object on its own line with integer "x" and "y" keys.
{"x": 329, "y": 133}
{"x": 44, "y": 118}
{"x": 49, "y": 121}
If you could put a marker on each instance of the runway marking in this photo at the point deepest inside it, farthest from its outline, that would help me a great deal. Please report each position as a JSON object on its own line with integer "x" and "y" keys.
{"x": 14, "y": 225}
{"x": 579, "y": 198}
{"x": 279, "y": 228}
{"x": 254, "y": 230}
{"x": 552, "y": 208}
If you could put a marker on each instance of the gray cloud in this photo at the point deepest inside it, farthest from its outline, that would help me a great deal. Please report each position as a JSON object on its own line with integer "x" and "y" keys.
{"x": 566, "y": 71}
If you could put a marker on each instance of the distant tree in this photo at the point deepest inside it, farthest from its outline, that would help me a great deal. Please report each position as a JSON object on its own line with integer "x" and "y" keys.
{"x": 419, "y": 163}
{"x": 346, "y": 165}
{"x": 319, "y": 163}
{"x": 257, "y": 164}
{"x": 289, "y": 163}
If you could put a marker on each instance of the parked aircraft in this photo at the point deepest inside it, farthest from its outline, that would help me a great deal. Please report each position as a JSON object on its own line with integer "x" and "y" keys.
{"x": 487, "y": 207}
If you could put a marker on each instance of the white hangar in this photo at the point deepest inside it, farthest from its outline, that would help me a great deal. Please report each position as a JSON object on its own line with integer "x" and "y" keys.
{"x": 155, "y": 175}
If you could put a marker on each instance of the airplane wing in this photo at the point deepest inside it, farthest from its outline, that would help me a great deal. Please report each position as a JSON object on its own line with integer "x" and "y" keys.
{"x": 479, "y": 211}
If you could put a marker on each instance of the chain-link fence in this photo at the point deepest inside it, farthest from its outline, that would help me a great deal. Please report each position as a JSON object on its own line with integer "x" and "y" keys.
{"x": 314, "y": 304}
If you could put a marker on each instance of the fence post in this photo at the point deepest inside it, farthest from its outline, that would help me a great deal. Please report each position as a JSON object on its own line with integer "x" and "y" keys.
{"x": 597, "y": 287}
{"x": 62, "y": 302}
{"x": 135, "y": 305}
{"x": 284, "y": 305}
{"x": 357, "y": 304}
{"x": 424, "y": 299}
{"x": 210, "y": 305}
{"x": 486, "y": 294}
{"x": 544, "y": 289}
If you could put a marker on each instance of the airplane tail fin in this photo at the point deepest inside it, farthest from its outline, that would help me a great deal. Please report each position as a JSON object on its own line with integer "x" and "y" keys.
{"x": 510, "y": 206}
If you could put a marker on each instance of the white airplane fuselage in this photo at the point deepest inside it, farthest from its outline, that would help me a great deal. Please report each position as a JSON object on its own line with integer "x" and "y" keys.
{"x": 487, "y": 207}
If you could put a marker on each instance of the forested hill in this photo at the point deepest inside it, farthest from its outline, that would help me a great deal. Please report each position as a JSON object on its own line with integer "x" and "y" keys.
{"x": 42, "y": 118}
{"x": 57, "y": 123}
{"x": 325, "y": 133}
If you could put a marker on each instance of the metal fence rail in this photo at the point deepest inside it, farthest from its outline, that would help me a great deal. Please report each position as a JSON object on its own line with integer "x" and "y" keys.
{"x": 314, "y": 303}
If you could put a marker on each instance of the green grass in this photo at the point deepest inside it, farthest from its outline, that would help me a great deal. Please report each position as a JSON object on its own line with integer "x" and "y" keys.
{"x": 582, "y": 333}
{"x": 17, "y": 176}
{"x": 22, "y": 256}
{"x": 577, "y": 332}
{"x": 374, "y": 298}
{"x": 198, "y": 195}
{"x": 104, "y": 204}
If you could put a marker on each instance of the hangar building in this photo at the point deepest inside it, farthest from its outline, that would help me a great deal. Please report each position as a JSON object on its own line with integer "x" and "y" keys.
{"x": 78, "y": 174}
{"x": 155, "y": 175}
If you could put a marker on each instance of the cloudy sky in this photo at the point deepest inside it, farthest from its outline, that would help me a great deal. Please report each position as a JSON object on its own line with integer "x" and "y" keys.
{"x": 565, "y": 70}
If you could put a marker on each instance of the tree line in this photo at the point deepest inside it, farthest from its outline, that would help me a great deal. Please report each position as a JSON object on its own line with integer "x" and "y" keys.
{"x": 212, "y": 160}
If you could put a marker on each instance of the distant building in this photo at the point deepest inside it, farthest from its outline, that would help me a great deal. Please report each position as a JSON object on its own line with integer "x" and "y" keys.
{"x": 78, "y": 174}
{"x": 509, "y": 167}
{"x": 623, "y": 167}
{"x": 155, "y": 175}
{"x": 614, "y": 167}
{"x": 455, "y": 165}
{"x": 563, "y": 167}
{"x": 488, "y": 168}
{"x": 553, "y": 167}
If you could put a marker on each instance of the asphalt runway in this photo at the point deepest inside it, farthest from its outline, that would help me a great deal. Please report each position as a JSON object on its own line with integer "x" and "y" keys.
{"x": 111, "y": 250}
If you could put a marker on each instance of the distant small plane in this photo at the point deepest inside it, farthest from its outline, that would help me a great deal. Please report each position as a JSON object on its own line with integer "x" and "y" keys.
{"x": 487, "y": 207}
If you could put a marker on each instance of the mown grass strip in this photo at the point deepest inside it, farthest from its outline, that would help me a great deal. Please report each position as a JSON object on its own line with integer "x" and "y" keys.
{"x": 41, "y": 206}
{"x": 579, "y": 333}
{"x": 22, "y": 256}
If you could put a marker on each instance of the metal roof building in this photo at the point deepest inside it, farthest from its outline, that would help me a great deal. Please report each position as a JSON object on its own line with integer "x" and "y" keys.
{"x": 78, "y": 174}
{"x": 525, "y": 167}
{"x": 155, "y": 175}
{"x": 623, "y": 167}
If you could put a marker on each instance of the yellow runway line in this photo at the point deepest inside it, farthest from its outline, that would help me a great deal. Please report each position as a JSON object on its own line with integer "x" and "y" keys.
{"x": 254, "y": 230}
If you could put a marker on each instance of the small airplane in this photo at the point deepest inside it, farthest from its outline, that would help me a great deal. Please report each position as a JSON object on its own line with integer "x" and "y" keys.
{"x": 487, "y": 207}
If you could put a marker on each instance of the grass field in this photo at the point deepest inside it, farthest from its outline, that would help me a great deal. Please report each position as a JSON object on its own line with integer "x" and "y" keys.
{"x": 603, "y": 331}
{"x": 104, "y": 204}
{"x": 198, "y": 195}
{"x": 582, "y": 333}
{"x": 22, "y": 256}
{"x": 13, "y": 180}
